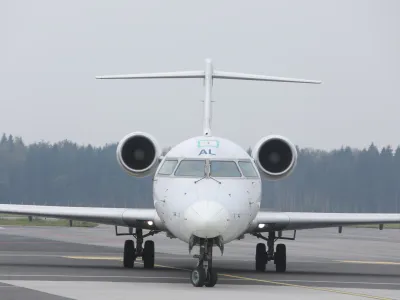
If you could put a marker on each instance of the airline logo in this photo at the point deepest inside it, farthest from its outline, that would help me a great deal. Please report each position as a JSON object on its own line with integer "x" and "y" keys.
{"x": 208, "y": 144}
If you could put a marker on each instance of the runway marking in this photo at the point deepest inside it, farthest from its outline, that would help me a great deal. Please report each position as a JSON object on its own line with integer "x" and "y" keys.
{"x": 309, "y": 287}
{"x": 95, "y": 257}
{"x": 89, "y": 276}
{"x": 250, "y": 279}
{"x": 369, "y": 262}
{"x": 169, "y": 267}
{"x": 341, "y": 282}
{"x": 293, "y": 285}
{"x": 99, "y": 257}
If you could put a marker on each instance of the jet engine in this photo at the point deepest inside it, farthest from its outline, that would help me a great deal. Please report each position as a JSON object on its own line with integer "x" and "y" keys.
{"x": 138, "y": 153}
{"x": 275, "y": 156}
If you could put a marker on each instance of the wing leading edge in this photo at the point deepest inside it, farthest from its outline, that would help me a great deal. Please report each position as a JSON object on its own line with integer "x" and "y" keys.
{"x": 276, "y": 221}
{"x": 138, "y": 218}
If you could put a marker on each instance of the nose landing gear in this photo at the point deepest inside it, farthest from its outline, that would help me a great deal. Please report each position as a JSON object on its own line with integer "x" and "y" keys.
{"x": 204, "y": 274}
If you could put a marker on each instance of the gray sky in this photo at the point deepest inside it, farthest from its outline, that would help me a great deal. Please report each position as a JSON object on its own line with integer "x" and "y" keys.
{"x": 52, "y": 50}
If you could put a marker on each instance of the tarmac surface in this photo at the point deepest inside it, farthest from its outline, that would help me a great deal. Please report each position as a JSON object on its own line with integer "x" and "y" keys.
{"x": 49, "y": 263}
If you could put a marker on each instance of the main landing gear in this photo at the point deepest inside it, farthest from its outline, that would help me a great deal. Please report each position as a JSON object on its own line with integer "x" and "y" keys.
{"x": 263, "y": 255}
{"x": 204, "y": 274}
{"x": 146, "y": 252}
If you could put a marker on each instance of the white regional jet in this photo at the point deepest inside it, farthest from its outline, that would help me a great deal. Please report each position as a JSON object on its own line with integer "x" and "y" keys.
{"x": 207, "y": 191}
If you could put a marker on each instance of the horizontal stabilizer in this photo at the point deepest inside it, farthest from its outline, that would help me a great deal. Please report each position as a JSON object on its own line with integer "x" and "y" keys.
{"x": 185, "y": 74}
{"x": 242, "y": 76}
{"x": 201, "y": 74}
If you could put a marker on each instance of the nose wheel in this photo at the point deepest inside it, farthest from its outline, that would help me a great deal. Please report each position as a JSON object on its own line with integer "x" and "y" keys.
{"x": 204, "y": 274}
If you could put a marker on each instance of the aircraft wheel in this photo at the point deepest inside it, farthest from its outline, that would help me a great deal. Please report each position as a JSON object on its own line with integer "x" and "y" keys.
{"x": 212, "y": 278}
{"x": 280, "y": 258}
{"x": 129, "y": 254}
{"x": 261, "y": 257}
{"x": 198, "y": 276}
{"x": 148, "y": 255}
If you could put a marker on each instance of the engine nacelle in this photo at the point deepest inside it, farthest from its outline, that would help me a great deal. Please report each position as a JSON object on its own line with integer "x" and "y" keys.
{"x": 275, "y": 156}
{"x": 138, "y": 153}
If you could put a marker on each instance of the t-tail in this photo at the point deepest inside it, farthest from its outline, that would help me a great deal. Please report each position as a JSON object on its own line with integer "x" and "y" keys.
{"x": 208, "y": 74}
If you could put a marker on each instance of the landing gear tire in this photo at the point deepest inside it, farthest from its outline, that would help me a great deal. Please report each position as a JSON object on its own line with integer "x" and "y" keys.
{"x": 129, "y": 254}
{"x": 212, "y": 278}
{"x": 148, "y": 255}
{"x": 261, "y": 257}
{"x": 280, "y": 258}
{"x": 198, "y": 276}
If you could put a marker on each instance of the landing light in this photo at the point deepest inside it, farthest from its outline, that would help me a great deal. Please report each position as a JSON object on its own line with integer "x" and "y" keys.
{"x": 150, "y": 223}
{"x": 261, "y": 226}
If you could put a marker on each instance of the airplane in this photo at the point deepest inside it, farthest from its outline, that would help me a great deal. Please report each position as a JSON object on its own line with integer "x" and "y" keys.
{"x": 206, "y": 190}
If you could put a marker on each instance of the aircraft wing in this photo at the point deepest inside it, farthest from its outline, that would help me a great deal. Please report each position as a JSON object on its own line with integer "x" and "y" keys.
{"x": 276, "y": 221}
{"x": 129, "y": 217}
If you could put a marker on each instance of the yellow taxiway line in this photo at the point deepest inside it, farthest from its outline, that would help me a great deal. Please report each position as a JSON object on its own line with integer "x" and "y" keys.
{"x": 257, "y": 280}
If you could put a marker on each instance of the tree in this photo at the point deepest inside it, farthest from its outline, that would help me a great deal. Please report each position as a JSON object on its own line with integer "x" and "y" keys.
{"x": 64, "y": 173}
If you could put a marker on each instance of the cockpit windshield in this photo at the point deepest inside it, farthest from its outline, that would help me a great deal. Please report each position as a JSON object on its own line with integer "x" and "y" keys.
{"x": 216, "y": 168}
{"x": 191, "y": 168}
{"x": 248, "y": 169}
{"x": 168, "y": 167}
{"x": 224, "y": 169}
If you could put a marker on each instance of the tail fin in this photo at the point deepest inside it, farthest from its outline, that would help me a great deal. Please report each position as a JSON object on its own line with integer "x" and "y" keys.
{"x": 208, "y": 75}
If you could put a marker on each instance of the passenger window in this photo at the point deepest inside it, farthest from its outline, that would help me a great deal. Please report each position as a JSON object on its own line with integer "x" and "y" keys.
{"x": 192, "y": 168}
{"x": 247, "y": 169}
{"x": 224, "y": 169}
{"x": 168, "y": 167}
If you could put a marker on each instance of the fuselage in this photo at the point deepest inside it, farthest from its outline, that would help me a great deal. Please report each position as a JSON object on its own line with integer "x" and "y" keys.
{"x": 207, "y": 187}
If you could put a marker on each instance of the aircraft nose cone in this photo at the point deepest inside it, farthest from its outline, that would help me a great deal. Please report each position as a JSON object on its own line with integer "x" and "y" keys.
{"x": 206, "y": 219}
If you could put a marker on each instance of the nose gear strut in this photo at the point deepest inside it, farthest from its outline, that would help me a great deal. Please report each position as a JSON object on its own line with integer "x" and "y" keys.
{"x": 204, "y": 273}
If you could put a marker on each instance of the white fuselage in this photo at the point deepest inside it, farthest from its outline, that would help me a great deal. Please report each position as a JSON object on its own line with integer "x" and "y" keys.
{"x": 222, "y": 204}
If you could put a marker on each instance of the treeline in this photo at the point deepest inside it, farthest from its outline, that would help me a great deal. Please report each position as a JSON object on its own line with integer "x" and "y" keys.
{"x": 64, "y": 173}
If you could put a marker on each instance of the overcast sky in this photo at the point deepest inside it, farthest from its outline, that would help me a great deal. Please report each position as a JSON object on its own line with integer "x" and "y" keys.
{"x": 51, "y": 52}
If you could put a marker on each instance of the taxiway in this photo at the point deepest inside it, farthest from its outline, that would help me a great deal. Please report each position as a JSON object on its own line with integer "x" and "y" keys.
{"x": 86, "y": 263}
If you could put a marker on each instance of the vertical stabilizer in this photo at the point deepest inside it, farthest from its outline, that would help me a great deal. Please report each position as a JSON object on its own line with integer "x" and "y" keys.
{"x": 208, "y": 81}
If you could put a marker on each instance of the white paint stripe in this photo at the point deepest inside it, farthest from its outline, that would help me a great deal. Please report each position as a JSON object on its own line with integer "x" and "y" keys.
{"x": 96, "y": 257}
{"x": 46, "y": 255}
{"x": 339, "y": 282}
{"x": 185, "y": 278}
{"x": 30, "y": 255}
{"x": 90, "y": 276}
{"x": 99, "y": 276}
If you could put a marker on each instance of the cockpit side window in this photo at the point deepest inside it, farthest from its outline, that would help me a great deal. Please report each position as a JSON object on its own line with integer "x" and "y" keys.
{"x": 168, "y": 167}
{"x": 248, "y": 169}
{"x": 224, "y": 169}
{"x": 191, "y": 168}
